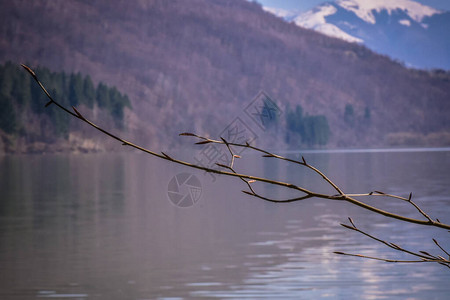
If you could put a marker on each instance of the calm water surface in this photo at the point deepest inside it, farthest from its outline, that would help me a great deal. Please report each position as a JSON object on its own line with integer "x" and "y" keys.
{"x": 103, "y": 227}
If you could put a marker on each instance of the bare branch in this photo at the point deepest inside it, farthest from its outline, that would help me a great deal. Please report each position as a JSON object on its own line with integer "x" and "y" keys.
{"x": 340, "y": 196}
{"x": 422, "y": 255}
{"x": 249, "y": 179}
{"x": 419, "y": 209}
{"x": 377, "y": 193}
{"x": 277, "y": 200}
{"x": 252, "y": 191}
{"x": 440, "y": 247}
{"x": 269, "y": 154}
{"x": 382, "y": 259}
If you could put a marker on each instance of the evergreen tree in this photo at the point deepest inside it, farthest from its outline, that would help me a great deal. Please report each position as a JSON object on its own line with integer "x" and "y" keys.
{"x": 349, "y": 114}
{"x": 37, "y": 96}
{"x": 61, "y": 121}
{"x": 8, "y": 118}
{"x": 75, "y": 89}
{"x": 367, "y": 114}
{"x": 88, "y": 92}
{"x": 312, "y": 130}
{"x": 270, "y": 114}
{"x": 102, "y": 95}
{"x": 19, "y": 94}
{"x": 6, "y": 81}
{"x": 295, "y": 122}
{"x": 21, "y": 90}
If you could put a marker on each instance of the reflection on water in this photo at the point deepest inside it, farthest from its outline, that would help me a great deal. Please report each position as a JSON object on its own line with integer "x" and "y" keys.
{"x": 103, "y": 227}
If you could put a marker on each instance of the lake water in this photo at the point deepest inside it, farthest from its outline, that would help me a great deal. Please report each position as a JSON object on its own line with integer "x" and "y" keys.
{"x": 103, "y": 226}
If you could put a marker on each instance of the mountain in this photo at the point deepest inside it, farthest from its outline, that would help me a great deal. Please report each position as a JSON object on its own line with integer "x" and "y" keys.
{"x": 403, "y": 29}
{"x": 196, "y": 66}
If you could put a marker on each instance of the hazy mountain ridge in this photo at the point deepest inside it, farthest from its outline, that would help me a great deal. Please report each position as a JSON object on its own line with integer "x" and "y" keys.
{"x": 405, "y": 30}
{"x": 195, "y": 66}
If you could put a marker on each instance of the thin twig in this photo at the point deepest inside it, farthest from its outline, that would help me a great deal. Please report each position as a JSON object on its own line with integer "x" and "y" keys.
{"x": 249, "y": 178}
{"x": 269, "y": 154}
{"x": 249, "y": 182}
{"x": 422, "y": 255}
{"x": 382, "y": 259}
{"x": 440, "y": 247}
{"x": 377, "y": 193}
{"x": 341, "y": 196}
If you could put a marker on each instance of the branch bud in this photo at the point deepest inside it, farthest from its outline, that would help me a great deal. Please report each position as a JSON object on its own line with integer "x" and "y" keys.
{"x": 223, "y": 166}
{"x": 351, "y": 221}
{"x": 248, "y": 193}
{"x": 78, "y": 113}
{"x": 203, "y": 142}
{"x": 224, "y": 141}
{"x": 167, "y": 156}
{"x": 29, "y": 70}
{"x": 187, "y": 134}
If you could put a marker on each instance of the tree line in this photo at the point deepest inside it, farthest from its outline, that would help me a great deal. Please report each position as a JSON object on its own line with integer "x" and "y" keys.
{"x": 19, "y": 97}
{"x": 305, "y": 129}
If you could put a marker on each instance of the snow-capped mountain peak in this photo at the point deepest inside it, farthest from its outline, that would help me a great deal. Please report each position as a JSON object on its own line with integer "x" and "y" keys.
{"x": 315, "y": 19}
{"x": 406, "y": 30}
{"x": 364, "y": 8}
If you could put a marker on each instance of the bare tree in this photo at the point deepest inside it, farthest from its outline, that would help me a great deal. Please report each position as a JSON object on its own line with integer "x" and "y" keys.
{"x": 249, "y": 180}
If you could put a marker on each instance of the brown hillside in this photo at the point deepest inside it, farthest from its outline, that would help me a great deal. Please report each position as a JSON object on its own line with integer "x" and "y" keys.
{"x": 194, "y": 65}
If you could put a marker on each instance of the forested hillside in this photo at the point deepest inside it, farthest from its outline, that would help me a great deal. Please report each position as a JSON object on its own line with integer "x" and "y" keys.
{"x": 195, "y": 66}
{"x": 23, "y": 115}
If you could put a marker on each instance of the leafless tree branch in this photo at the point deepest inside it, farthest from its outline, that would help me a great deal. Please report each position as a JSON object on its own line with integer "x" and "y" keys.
{"x": 229, "y": 170}
{"x": 422, "y": 255}
{"x": 340, "y": 196}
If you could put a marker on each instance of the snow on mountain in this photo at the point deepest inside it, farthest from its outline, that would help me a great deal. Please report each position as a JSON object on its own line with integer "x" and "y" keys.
{"x": 405, "y": 22}
{"x": 364, "y": 8}
{"x": 315, "y": 19}
{"x": 406, "y": 30}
